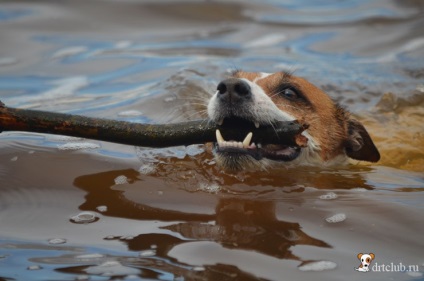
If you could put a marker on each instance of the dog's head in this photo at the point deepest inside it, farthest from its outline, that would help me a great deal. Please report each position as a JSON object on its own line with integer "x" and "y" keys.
{"x": 262, "y": 99}
{"x": 366, "y": 259}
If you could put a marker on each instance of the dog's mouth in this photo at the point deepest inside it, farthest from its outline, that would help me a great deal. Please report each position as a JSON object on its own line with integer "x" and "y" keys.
{"x": 245, "y": 147}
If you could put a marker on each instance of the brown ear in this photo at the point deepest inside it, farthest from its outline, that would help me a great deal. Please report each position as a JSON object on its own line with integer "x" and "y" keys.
{"x": 359, "y": 144}
{"x": 359, "y": 256}
{"x": 372, "y": 256}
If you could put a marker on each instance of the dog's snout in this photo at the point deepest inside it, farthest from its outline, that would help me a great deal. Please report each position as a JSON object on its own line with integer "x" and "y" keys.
{"x": 234, "y": 89}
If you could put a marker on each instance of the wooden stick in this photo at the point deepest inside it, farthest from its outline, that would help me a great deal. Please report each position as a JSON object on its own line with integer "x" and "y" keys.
{"x": 151, "y": 135}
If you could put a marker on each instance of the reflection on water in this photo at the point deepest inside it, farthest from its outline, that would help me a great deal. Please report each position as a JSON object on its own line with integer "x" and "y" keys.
{"x": 171, "y": 214}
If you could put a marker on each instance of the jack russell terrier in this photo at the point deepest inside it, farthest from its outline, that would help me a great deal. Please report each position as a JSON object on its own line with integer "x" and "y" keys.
{"x": 262, "y": 99}
{"x": 366, "y": 260}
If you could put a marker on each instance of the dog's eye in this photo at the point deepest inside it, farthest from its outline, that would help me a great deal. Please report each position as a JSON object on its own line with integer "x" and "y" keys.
{"x": 289, "y": 93}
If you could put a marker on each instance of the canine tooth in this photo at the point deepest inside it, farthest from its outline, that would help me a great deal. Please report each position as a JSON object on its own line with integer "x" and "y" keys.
{"x": 257, "y": 125}
{"x": 247, "y": 139}
{"x": 219, "y": 137}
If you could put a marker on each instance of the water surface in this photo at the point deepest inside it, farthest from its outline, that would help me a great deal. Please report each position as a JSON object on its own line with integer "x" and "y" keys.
{"x": 171, "y": 214}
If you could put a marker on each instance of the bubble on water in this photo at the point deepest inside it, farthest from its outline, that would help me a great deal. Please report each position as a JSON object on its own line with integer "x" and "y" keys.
{"x": 56, "y": 241}
{"x": 102, "y": 208}
{"x": 112, "y": 268}
{"x": 84, "y": 217}
{"x": 13, "y": 159}
{"x": 209, "y": 187}
{"x": 318, "y": 266}
{"x": 34, "y": 267}
{"x": 415, "y": 274}
{"x": 328, "y": 196}
{"x": 147, "y": 169}
{"x": 130, "y": 113}
{"x": 147, "y": 253}
{"x": 78, "y": 146}
{"x": 198, "y": 268}
{"x": 121, "y": 179}
{"x": 336, "y": 218}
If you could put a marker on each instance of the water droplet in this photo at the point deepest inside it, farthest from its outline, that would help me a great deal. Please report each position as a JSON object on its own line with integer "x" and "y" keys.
{"x": 102, "y": 208}
{"x": 336, "y": 218}
{"x": 121, "y": 180}
{"x": 84, "y": 217}
{"x": 56, "y": 241}
{"x": 328, "y": 196}
{"x": 34, "y": 267}
{"x": 147, "y": 253}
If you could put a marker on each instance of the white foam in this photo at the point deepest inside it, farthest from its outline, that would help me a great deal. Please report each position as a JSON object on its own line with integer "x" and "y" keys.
{"x": 336, "y": 218}
{"x": 209, "y": 187}
{"x": 112, "y": 268}
{"x": 56, "y": 241}
{"x": 328, "y": 196}
{"x": 78, "y": 146}
{"x": 146, "y": 169}
{"x": 121, "y": 179}
{"x": 130, "y": 113}
{"x": 318, "y": 266}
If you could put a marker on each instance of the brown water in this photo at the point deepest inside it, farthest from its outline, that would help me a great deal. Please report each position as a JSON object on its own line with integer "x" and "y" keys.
{"x": 171, "y": 214}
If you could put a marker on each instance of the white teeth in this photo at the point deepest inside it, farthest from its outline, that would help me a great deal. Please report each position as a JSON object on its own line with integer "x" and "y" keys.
{"x": 220, "y": 121}
{"x": 257, "y": 125}
{"x": 245, "y": 144}
{"x": 219, "y": 137}
{"x": 247, "y": 139}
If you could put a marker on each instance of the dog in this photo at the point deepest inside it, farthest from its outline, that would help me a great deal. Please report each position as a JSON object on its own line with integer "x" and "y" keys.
{"x": 264, "y": 98}
{"x": 366, "y": 260}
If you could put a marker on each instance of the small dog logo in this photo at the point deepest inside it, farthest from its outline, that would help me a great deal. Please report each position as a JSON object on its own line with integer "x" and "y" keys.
{"x": 366, "y": 260}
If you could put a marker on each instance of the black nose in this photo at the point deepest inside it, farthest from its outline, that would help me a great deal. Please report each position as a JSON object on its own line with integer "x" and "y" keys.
{"x": 234, "y": 89}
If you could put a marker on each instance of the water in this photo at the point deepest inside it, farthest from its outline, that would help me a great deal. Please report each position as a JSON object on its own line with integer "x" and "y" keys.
{"x": 171, "y": 214}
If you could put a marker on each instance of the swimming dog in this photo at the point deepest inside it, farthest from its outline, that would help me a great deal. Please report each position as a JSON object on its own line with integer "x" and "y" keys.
{"x": 263, "y": 99}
